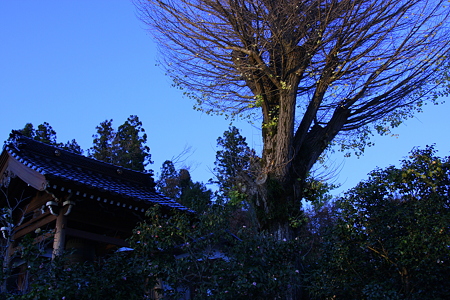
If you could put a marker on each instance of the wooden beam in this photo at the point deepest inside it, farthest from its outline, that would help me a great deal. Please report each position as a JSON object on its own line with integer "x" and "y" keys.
{"x": 33, "y": 225}
{"x": 28, "y": 175}
{"x": 38, "y": 201}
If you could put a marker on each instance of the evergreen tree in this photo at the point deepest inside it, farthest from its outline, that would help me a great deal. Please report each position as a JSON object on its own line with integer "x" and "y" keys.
{"x": 73, "y": 146}
{"x": 233, "y": 165}
{"x": 179, "y": 186}
{"x": 233, "y": 169}
{"x": 46, "y": 134}
{"x": 28, "y": 130}
{"x": 124, "y": 147}
{"x": 102, "y": 148}
{"x": 168, "y": 182}
{"x": 195, "y": 195}
{"x": 129, "y": 143}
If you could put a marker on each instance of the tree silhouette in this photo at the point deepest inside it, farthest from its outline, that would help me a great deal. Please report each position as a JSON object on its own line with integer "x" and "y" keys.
{"x": 46, "y": 134}
{"x": 102, "y": 148}
{"x": 178, "y": 185}
{"x": 125, "y": 147}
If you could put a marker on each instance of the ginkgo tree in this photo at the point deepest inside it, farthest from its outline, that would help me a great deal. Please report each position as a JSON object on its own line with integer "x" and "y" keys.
{"x": 313, "y": 72}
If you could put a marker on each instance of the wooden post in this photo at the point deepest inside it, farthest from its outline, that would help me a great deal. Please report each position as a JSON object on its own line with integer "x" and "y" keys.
{"x": 60, "y": 235}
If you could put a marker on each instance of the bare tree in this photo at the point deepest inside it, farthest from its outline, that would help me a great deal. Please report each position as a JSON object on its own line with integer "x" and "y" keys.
{"x": 8, "y": 225}
{"x": 309, "y": 69}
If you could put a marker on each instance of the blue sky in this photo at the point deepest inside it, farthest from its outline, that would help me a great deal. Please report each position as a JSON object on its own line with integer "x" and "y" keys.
{"x": 77, "y": 63}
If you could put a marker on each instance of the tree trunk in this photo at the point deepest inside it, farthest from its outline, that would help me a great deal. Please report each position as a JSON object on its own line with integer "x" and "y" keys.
{"x": 276, "y": 193}
{"x": 7, "y": 255}
{"x": 286, "y": 164}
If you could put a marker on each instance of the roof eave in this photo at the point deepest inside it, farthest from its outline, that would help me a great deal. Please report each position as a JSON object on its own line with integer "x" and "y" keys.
{"x": 11, "y": 167}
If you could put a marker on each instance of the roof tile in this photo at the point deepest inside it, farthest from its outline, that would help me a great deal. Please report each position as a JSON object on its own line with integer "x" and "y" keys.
{"x": 77, "y": 169}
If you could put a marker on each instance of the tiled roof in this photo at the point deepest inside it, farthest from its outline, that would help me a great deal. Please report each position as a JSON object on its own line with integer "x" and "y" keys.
{"x": 64, "y": 167}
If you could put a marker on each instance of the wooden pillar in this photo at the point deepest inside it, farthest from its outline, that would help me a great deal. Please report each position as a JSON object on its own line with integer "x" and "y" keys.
{"x": 60, "y": 235}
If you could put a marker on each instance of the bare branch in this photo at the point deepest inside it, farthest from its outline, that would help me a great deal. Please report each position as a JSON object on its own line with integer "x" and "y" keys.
{"x": 310, "y": 70}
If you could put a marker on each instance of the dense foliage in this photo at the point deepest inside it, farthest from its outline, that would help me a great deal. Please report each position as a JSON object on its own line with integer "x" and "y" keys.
{"x": 387, "y": 238}
{"x": 199, "y": 256}
{"x": 391, "y": 236}
{"x": 178, "y": 185}
{"x": 115, "y": 277}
